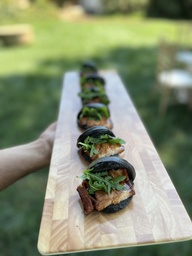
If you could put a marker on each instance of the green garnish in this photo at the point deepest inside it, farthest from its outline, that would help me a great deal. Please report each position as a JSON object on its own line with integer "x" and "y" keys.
{"x": 87, "y": 94}
{"x": 94, "y": 113}
{"x": 83, "y": 79}
{"x": 102, "y": 181}
{"x": 89, "y": 142}
{"x": 93, "y": 82}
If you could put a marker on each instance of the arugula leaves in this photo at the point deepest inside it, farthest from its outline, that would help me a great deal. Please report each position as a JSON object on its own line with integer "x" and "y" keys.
{"x": 102, "y": 181}
{"x": 87, "y": 94}
{"x": 92, "y": 82}
{"x": 89, "y": 142}
{"x": 94, "y": 113}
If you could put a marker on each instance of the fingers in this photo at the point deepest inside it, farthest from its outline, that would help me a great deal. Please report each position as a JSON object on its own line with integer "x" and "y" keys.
{"x": 52, "y": 127}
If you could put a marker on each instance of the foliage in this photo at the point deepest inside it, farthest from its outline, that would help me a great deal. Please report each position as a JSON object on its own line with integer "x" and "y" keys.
{"x": 180, "y": 9}
{"x": 60, "y": 3}
{"x": 124, "y": 6}
{"x": 12, "y": 12}
{"x": 8, "y": 8}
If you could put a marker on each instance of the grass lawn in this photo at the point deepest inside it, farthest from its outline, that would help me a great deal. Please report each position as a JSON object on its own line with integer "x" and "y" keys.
{"x": 30, "y": 88}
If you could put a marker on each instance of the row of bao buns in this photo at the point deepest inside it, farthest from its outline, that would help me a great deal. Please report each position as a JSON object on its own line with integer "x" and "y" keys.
{"x": 107, "y": 184}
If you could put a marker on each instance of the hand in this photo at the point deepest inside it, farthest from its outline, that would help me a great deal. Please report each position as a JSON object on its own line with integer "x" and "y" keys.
{"x": 48, "y": 137}
{"x": 49, "y": 134}
{"x": 16, "y": 162}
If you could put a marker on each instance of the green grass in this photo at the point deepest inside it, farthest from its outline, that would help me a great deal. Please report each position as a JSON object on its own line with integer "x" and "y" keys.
{"x": 30, "y": 88}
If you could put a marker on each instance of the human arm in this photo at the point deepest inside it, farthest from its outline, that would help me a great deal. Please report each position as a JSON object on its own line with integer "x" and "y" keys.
{"x": 17, "y": 162}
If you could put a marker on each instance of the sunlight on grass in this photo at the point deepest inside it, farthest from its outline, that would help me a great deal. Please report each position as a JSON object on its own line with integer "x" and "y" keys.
{"x": 60, "y": 39}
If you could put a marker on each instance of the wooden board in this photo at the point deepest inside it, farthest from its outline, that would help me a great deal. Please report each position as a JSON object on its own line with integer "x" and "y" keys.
{"x": 156, "y": 213}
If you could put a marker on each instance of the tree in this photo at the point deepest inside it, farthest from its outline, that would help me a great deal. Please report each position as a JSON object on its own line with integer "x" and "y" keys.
{"x": 172, "y": 9}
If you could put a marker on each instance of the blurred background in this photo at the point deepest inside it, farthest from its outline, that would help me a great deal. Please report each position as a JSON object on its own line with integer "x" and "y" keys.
{"x": 40, "y": 40}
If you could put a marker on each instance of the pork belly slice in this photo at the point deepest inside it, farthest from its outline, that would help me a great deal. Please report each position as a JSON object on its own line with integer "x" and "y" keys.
{"x": 106, "y": 149}
{"x": 115, "y": 197}
{"x": 86, "y": 199}
{"x": 91, "y": 122}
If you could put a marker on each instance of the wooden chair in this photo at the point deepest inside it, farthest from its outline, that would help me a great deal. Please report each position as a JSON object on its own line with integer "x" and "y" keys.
{"x": 174, "y": 83}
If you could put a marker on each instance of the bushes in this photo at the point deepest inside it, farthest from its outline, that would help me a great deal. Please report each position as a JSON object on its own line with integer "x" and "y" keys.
{"x": 179, "y": 9}
{"x": 124, "y": 6}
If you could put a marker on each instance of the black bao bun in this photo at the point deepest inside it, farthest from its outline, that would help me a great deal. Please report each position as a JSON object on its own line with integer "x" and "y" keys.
{"x": 113, "y": 162}
{"x": 89, "y": 64}
{"x": 94, "y": 78}
{"x": 90, "y": 105}
{"x": 107, "y": 164}
{"x": 94, "y": 132}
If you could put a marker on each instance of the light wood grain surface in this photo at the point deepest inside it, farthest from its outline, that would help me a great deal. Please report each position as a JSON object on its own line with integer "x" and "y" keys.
{"x": 156, "y": 213}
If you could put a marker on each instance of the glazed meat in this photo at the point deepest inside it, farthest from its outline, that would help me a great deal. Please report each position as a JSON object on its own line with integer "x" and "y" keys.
{"x": 106, "y": 149}
{"x": 91, "y": 122}
{"x": 103, "y": 199}
{"x": 86, "y": 199}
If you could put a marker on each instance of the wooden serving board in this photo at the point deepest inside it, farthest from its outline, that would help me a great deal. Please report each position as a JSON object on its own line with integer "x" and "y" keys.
{"x": 156, "y": 213}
